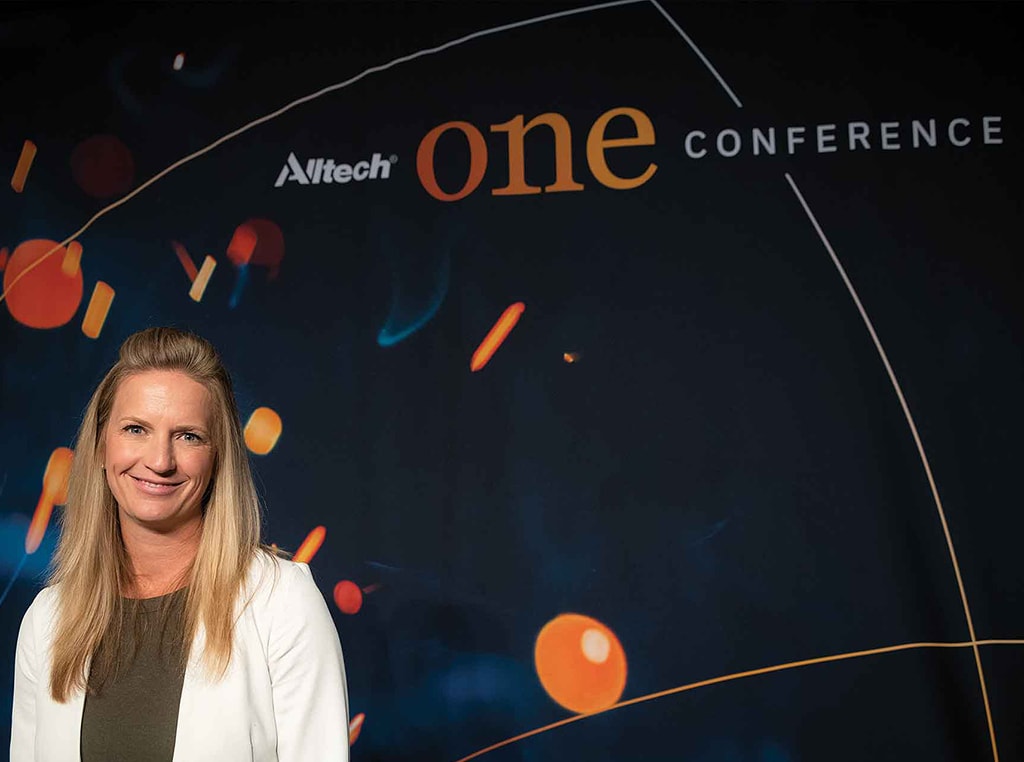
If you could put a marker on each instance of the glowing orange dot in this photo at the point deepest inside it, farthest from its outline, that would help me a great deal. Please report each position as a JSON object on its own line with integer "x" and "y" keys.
{"x": 580, "y": 663}
{"x": 263, "y": 430}
{"x": 46, "y": 296}
{"x": 348, "y": 597}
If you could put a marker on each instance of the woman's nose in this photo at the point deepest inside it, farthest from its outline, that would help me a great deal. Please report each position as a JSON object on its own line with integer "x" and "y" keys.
{"x": 160, "y": 455}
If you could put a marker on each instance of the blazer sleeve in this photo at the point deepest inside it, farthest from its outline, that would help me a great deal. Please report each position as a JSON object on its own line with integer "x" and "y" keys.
{"x": 307, "y": 672}
{"x": 26, "y": 676}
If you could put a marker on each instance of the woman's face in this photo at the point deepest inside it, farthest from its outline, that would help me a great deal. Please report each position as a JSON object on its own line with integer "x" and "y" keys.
{"x": 158, "y": 452}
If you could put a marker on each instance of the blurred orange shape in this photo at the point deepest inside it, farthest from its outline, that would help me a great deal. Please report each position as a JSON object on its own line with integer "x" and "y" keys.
{"x": 310, "y": 545}
{"x": 55, "y": 492}
{"x": 3, "y": 258}
{"x": 262, "y": 430}
{"x": 186, "y": 261}
{"x": 571, "y": 357}
{"x": 28, "y": 153}
{"x": 202, "y": 279}
{"x": 243, "y": 244}
{"x": 580, "y": 663}
{"x": 44, "y": 295}
{"x": 348, "y": 597}
{"x": 267, "y": 250}
{"x": 496, "y": 336}
{"x": 72, "y": 258}
{"x": 96, "y": 312}
{"x": 355, "y": 727}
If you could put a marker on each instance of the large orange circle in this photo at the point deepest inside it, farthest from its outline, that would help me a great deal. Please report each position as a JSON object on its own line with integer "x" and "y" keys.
{"x": 46, "y": 296}
{"x": 580, "y": 663}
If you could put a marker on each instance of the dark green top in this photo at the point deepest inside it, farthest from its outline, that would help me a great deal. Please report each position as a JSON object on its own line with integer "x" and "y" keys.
{"x": 134, "y": 716}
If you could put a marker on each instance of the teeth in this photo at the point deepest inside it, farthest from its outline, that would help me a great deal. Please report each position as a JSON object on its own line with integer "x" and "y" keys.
{"x": 155, "y": 484}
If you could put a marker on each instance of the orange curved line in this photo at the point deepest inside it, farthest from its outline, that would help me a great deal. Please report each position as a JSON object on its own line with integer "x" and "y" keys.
{"x": 920, "y": 451}
{"x": 737, "y": 676}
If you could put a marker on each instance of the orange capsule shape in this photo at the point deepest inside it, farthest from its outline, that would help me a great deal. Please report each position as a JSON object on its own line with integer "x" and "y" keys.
{"x": 496, "y": 336}
{"x": 310, "y": 545}
{"x": 96, "y": 312}
{"x": 202, "y": 279}
{"x": 72, "y": 258}
{"x": 355, "y": 727}
{"x": 186, "y": 261}
{"x": 263, "y": 430}
{"x": 3, "y": 257}
{"x": 55, "y": 492}
{"x": 28, "y": 154}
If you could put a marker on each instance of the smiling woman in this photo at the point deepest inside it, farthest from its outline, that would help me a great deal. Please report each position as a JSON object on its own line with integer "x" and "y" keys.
{"x": 168, "y": 631}
{"x": 158, "y": 458}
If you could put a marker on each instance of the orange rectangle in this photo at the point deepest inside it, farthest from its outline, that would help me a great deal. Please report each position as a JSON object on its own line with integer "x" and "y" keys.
{"x": 3, "y": 258}
{"x": 202, "y": 279}
{"x": 28, "y": 153}
{"x": 99, "y": 306}
{"x": 72, "y": 259}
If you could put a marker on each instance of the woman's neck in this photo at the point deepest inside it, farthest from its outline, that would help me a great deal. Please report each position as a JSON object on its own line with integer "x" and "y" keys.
{"x": 160, "y": 562}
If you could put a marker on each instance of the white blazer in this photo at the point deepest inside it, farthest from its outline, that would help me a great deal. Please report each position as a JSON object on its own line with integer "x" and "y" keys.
{"x": 283, "y": 698}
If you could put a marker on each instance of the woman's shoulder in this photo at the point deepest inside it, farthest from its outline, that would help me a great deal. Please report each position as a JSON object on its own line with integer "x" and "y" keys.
{"x": 41, "y": 612}
{"x": 272, "y": 578}
{"x": 44, "y": 603}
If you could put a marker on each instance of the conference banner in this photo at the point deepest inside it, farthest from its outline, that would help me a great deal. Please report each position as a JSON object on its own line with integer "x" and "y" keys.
{"x": 640, "y": 380}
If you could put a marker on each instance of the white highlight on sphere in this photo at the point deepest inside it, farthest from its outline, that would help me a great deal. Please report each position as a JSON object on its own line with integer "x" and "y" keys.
{"x": 179, "y": 61}
{"x": 595, "y": 645}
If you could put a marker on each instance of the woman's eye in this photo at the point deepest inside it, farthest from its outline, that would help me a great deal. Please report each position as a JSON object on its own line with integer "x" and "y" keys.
{"x": 191, "y": 436}
{"x": 133, "y": 428}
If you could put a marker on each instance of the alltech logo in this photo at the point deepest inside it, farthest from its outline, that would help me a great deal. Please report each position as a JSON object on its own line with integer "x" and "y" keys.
{"x": 633, "y": 133}
{"x": 317, "y": 171}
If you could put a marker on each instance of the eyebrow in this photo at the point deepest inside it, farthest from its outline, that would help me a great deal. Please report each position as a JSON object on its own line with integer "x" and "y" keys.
{"x": 144, "y": 422}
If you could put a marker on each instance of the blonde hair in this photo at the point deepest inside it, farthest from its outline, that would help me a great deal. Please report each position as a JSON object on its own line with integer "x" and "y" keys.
{"x": 91, "y": 570}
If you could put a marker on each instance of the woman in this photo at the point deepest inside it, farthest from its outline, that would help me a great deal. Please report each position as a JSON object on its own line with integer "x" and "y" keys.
{"x": 167, "y": 631}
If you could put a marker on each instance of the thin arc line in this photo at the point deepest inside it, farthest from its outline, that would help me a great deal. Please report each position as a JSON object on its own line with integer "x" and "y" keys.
{"x": 738, "y": 676}
{"x": 14, "y": 578}
{"x": 920, "y": 451}
{"x": 700, "y": 55}
{"x": 305, "y": 99}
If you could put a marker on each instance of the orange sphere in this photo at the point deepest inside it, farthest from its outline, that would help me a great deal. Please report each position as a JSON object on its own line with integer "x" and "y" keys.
{"x": 46, "y": 297}
{"x": 580, "y": 663}
{"x": 348, "y": 597}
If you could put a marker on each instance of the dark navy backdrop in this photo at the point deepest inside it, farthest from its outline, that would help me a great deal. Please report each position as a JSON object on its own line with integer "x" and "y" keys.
{"x": 724, "y": 477}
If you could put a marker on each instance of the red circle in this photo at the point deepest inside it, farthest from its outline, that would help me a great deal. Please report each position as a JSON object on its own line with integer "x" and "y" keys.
{"x": 103, "y": 166}
{"x": 348, "y": 597}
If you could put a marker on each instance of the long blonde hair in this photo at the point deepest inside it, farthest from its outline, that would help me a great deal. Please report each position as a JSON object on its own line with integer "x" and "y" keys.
{"x": 91, "y": 569}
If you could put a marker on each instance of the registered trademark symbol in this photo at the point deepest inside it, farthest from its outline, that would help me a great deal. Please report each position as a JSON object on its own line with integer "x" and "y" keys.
{"x": 393, "y": 159}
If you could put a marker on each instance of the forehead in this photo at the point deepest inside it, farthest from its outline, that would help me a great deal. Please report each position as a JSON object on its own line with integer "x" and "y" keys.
{"x": 162, "y": 392}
